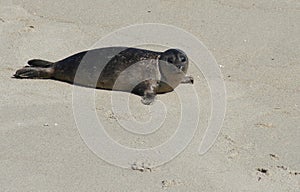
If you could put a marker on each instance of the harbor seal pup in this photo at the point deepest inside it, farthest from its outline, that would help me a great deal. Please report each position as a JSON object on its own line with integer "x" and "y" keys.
{"x": 157, "y": 72}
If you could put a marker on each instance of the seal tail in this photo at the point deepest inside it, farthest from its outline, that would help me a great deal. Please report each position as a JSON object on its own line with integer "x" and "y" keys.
{"x": 38, "y": 69}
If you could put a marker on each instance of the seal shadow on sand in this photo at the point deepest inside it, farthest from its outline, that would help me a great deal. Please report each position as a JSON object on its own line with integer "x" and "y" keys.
{"x": 139, "y": 71}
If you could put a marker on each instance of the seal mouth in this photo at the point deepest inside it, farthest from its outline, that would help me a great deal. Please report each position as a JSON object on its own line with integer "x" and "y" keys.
{"x": 180, "y": 67}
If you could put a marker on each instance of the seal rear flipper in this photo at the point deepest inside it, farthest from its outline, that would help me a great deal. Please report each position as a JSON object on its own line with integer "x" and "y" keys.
{"x": 39, "y": 63}
{"x": 34, "y": 73}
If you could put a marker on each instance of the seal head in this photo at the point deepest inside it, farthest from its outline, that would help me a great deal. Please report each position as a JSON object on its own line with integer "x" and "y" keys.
{"x": 177, "y": 58}
{"x": 173, "y": 67}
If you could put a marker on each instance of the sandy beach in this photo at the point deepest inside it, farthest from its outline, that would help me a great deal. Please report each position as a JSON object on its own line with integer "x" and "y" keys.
{"x": 256, "y": 45}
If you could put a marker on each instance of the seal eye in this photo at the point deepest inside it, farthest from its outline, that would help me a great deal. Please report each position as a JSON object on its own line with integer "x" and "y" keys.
{"x": 170, "y": 60}
{"x": 182, "y": 59}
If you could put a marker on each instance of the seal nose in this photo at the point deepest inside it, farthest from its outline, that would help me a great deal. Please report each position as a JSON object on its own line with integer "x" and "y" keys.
{"x": 182, "y": 58}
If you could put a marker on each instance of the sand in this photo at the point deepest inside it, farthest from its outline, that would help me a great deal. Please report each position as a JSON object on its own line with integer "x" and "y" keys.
{"x": 256, "y": 44}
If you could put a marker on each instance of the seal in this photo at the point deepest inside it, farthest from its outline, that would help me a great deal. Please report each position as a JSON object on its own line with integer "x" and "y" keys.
{"x": 139, "y": 71}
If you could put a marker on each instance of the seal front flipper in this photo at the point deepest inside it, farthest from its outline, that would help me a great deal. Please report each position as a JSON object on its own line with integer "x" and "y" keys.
{"x": 148, "y": 98}
{"x": 149, "y": 92}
